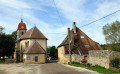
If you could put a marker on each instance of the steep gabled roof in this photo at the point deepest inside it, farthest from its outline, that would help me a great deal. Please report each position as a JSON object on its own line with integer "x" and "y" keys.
{"x": 79, "y": 43}
{"x": 33, "y": 33}
{"x": 35, "y": 48}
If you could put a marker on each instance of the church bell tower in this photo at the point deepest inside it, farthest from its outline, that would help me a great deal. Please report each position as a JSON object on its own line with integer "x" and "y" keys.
{"x": 21, "y": 29}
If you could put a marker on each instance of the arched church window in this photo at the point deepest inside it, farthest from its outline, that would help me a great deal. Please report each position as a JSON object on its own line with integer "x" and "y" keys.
{"x": 22, "y": 33}
{"x": 26, "y": 44}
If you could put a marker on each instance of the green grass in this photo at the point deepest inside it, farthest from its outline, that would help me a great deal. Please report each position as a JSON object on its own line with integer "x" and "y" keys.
{"x": 3, "y": 62}
{"x": 95, "y": 68}
{"x": 102, "y": 70}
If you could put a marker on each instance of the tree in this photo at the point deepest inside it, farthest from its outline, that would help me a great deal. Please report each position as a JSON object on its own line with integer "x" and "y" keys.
{"x": 7, "y": 45}
{"x": 53, "y": 52}
{"x": 112, "y": 34}
{"x": 14, "y": 35}
{"x": 1, "y": 29}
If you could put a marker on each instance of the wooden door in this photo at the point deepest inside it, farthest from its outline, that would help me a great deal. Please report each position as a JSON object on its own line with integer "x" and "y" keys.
{"x": 36, "y": 58}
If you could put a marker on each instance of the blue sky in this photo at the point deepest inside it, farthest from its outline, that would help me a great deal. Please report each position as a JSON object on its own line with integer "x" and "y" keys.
{"x": 43, "y": 14}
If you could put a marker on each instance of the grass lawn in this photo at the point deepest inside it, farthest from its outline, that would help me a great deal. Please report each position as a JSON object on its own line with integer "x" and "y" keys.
{"x": 95, "y": 68}
{"x": 3, "y": 62}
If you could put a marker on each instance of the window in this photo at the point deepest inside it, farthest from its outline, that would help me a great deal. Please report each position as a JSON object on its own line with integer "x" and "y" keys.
{"x": 81, "y": 36}
{"x": 28, "y": 57}
{"x": 26, "y": 44}
{"x": 87, "y": 45}
{"x": 22, "y": 33}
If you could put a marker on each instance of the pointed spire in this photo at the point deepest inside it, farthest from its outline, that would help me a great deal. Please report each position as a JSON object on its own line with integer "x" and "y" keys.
{"x": 21, "y": 20}
{"x": 21, "y": 17}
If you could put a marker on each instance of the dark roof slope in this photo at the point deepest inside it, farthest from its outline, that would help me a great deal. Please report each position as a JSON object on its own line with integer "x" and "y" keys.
{"x": 33, "y": 33}
{"x": 35, "y": 48}
{"x": 79, "y": 43}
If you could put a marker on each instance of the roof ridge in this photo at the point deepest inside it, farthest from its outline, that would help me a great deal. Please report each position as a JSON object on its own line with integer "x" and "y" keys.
{"x": 22, "y": 35}
{"x": 32, "y": 32}
{"x": 41, "y": 32}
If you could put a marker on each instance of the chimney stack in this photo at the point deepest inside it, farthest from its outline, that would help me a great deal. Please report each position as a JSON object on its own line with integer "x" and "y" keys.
{"x": 74, "y": 27}
{"x": 68, "y": 31}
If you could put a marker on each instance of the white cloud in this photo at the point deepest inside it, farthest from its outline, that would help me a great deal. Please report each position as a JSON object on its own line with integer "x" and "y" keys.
{"x": 72, "y": 9}
{"x": 14, "y": 4}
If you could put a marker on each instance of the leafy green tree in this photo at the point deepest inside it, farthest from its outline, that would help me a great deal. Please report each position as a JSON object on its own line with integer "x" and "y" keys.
{"x": 14, "y": 35}
{"x": 1, "y": 29}
{"x": 7, "y": 45}
{"x": 53, "y": 52}
{"x": 112, "y": 34}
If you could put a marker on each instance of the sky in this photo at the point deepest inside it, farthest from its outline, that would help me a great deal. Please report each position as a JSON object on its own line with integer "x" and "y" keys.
{"x": 53, "y": 23}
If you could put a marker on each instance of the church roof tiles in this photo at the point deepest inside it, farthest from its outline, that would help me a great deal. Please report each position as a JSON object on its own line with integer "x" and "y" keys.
{"x": 33, "y": 33}
{"x": 35, "y": 48}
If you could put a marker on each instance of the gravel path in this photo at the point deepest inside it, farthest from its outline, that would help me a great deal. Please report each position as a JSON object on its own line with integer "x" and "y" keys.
{"x": 54, "y": 68}
{"x": 49, "y": 68}
{"x": 20, "y": 68}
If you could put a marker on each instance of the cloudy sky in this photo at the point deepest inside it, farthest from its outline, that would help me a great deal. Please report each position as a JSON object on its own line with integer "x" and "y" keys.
{"x": 44, "y": 15}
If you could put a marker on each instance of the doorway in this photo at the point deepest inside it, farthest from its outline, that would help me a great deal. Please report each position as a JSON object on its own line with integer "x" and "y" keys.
{"x": 36, "y": 58}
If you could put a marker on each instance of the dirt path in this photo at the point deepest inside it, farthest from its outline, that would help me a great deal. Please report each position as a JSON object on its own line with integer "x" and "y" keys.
{"x": 20, "y": 68}
{"x": 49, "y": 68}
{"x": 56, "y": 68}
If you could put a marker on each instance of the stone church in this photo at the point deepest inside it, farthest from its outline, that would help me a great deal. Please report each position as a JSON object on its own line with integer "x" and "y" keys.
{"x": 31, "y": 45}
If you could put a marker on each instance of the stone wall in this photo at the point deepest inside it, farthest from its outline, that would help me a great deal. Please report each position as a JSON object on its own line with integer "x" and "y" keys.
{"x": 77, "y": 58}
{"x": 102, "y": 57}
{"x": 61, "y": 54}
{"x": 74, "y": 57}
{"x": 64, "y": 58}
{"x": 114, "y": 55}
{"x": 41, "y": 58}
{"x": 95, "y": 57}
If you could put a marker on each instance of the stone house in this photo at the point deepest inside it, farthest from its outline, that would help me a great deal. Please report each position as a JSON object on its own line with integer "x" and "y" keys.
{"x": 31, "y": 45}
{"x": 80, "y": 45}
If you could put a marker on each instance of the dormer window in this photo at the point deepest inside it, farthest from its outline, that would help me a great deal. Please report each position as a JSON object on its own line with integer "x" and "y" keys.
{"x": 81, "y": 36}
{"x": 87, "y": 45}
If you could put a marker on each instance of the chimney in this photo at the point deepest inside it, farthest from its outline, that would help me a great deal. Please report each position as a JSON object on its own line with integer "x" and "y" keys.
{"x": 74, "y": 27}
{"x": 68, "y": 31}
{"x": 71, "y": 36}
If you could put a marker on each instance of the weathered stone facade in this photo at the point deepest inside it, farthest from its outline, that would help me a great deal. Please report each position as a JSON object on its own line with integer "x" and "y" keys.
{"x": 102, "y": 57}
{"x": 31, "y": 45}
{"x": 41, "y": 58}
{"x": 95, "y": 57}
{"x": 64, "y": 58}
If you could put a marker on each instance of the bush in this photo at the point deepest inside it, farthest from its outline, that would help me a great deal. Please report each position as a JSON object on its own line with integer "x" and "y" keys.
{"x": 3, "y": 62}
{"x": 115, "y": 63}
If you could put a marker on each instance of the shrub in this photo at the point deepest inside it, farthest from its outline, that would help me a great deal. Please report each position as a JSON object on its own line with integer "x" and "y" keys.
{"x": 115, "y": 63}
{"x": 3, "y": 62}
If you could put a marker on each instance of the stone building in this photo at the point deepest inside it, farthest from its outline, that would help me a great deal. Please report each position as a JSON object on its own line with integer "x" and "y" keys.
{"x": 80, "y": 45}
{"x": 31, "y": 45}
